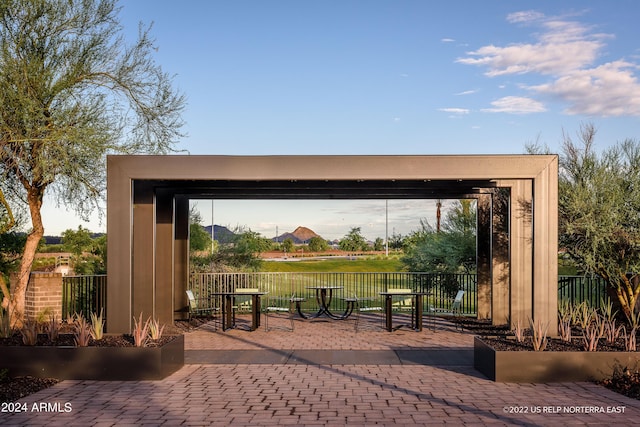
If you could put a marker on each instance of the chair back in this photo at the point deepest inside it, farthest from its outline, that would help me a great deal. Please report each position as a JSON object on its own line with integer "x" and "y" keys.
{"x": 247, "y": 290}
{"x": 457, "y": 302}
{"x": 399, "y": 290}
{"x": 192, "y": 299}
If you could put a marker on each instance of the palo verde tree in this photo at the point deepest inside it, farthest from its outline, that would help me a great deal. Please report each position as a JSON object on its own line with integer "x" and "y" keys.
{"x": 72, "y": 91}
{"x": 451, "y": 250}
{"x": 599, "y": 212}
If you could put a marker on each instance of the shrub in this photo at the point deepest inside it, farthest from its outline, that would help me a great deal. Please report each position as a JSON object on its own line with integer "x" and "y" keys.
{"x": 592, "y": 333}
{"x": 97, "y": 326}
{"x": 565, "y": 315}
{"x": 155, "y": 330}
{"x": 82, "y": 331}
{"x": 140, "y": 332}
{"x": 29, "y": 332}
{"x": 539, "y": 339}
{"x": 518, "y": 331}
{"x": 53, "y": 328}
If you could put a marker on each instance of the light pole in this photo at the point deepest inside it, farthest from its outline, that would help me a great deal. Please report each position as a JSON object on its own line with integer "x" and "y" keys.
{"x": 386, "y": 227}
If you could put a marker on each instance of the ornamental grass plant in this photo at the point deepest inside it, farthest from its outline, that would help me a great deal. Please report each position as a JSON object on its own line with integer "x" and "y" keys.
{"x": 140, "y": 332}
{"x": 97, "y": 326}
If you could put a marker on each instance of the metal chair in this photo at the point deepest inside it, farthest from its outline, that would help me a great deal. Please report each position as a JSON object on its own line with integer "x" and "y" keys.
{"x": 200, "y": 306}
{"x": 404, "y": 304}
{"x": 455, "y": 309}
{"x": 277, "y": 305}
{"x": 368, "y": 305}
{"x": 243, "y": 303}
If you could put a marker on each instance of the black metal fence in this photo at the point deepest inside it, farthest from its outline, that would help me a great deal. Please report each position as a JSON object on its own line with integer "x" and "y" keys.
{"x": 84, "y": 295}
{"x": 577, "y": 289}
{"x": 88, "y": 294}
{"x": 442, "y": 287}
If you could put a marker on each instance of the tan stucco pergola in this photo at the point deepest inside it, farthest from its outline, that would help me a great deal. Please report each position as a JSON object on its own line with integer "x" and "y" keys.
{"x": 148, "y": 209}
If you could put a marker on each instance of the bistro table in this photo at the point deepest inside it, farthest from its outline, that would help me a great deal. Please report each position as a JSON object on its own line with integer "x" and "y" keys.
{"x": 228, "y": 303}
{"x": 324, "y": 295}
{"x": 416, "y": 298}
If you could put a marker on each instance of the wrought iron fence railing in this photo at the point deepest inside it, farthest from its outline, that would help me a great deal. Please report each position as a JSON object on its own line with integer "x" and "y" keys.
{"x": 577, "y": 289}
{"x": 88, "y": 294}
{"x": 442, "y": 287}
{"x": 84, "y": 295}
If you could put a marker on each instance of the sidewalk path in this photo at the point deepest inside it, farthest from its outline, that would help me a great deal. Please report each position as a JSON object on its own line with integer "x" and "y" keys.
{"x": 313, "y": 388}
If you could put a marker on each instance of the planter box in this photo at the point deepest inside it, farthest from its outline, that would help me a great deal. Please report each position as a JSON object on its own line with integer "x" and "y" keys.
{"x": 95, "y": 363}
{"x": 548, "y": 366}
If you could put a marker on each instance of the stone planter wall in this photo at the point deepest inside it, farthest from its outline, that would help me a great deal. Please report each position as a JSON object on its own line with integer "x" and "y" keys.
{"x": 95, "y": 363}
{"x": 549, "y": 366}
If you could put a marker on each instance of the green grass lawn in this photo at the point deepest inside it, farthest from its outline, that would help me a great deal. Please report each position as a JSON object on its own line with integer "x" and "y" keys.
{"x": 360, "y": 265}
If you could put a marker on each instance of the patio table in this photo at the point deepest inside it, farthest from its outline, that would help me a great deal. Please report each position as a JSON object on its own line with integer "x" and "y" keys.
{"x": 416, "y": 307}
{"x": 228, "y": 302}
{"x": 324, "y": 295}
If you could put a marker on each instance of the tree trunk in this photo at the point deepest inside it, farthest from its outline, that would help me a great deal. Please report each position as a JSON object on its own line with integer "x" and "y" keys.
{"x": 17, "y": 299}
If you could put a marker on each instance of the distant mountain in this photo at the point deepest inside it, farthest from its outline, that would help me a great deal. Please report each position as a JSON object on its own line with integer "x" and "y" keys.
{"x": 220, "y": 233}
{"x": 299, "y": 236}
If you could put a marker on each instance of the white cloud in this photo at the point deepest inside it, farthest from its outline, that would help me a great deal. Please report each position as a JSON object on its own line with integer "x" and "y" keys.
{"x": 524, "y": 16}
{"x": 455, "y": 110}
{"x": 515, "y": 105}
{"x": 551, "y": 57}
{"x": 567, "y": 52}
{"x": 447, "y": 40}
{"x": 608, "y": 90}
{"x": 467, "y": 92}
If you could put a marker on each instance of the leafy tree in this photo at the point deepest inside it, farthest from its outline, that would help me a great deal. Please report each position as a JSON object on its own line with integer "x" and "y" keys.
{"x": 251, "y": 243}
{"x": 199, "y": 239}
{"x": 11, "y": 247}
{"x": 451, "y": 250}
{"x": 599, "y": 212}
{"x": 88, "y": 253}
{"x": 241, "y": 254}
{"x": 87, "y": 256}
{"x": 318, "y": 244}
{"x": 353, "y": 241}
{"x": 287, "y": 245}
{"x": 396, "y": 241}
{"x": 378, "y": 244}
{"x": 78, "y": 241}
{"x": 72, "y": 91}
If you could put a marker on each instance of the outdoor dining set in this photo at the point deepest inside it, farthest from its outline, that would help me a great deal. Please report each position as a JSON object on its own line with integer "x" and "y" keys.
{"x": 227, "y": 303}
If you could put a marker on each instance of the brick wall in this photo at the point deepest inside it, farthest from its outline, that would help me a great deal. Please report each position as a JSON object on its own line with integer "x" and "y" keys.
{"x": 44, "y": 295}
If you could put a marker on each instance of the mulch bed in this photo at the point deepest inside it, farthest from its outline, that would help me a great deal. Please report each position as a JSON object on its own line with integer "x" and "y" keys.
{"x": 67, "y": 340}
{"x": 626, "y": 382}
{"x": 13, "y": 389}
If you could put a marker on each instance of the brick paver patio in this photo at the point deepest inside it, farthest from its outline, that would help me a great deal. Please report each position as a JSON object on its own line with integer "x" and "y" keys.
{"x": 302, "y": 388}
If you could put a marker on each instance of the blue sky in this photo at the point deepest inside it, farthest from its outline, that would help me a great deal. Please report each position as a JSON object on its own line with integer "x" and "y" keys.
{"x": 394, "y": 77}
